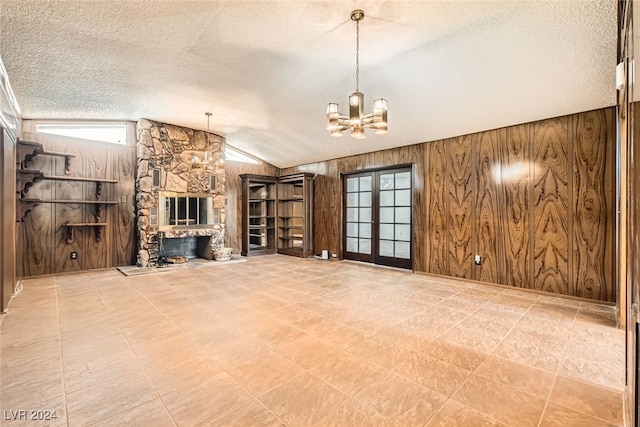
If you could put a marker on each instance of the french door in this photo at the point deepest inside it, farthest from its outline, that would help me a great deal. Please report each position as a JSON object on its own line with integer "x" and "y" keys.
{"x": 377, "y": 216}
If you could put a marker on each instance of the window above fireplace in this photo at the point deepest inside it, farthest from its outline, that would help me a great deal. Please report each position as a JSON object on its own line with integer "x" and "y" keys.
{"x": 186, "y": 211}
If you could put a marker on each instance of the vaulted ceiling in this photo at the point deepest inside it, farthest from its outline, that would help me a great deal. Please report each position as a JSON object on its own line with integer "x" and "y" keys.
{"x": 267, "y": 69}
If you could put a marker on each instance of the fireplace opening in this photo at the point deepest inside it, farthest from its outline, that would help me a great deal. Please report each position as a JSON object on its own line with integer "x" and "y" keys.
{"x": 188, "y": 247}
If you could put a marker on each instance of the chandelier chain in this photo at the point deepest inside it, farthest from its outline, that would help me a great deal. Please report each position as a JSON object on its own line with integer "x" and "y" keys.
{"x": 358, "y": 55}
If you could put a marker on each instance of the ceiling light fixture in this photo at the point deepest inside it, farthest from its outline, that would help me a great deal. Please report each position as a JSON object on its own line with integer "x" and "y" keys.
{"x": 208, "y": 162}
{"x": 357, "y": 120}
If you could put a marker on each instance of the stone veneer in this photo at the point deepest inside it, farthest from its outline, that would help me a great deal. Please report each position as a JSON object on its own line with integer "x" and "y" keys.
{"x": 171, "y": 149}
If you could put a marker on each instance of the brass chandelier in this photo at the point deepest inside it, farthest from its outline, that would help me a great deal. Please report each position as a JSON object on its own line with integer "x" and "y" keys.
{"x": 357, "y": 120}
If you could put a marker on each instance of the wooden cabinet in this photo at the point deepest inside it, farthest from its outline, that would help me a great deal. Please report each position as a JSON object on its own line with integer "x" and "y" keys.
{"x": 258, "y": 214}
{"x": 277, "y": 214}
{"x": 295, "y": 214}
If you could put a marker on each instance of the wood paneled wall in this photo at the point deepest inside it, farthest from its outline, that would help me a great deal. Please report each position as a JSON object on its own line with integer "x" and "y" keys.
{"x": 233, "y": 196}
{"x": 535, "y": 201}
{"x": 44, "y": 248}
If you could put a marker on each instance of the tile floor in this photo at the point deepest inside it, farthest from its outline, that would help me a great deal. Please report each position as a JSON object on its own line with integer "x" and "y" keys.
{"x": 285, "y": 341}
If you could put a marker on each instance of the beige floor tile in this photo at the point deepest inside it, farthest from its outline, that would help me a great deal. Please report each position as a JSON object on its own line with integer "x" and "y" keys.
{"x": 305, "y": 334}
{"x": 210, "y": 398}
{"x": 79, "y": 375}
{"x": 347, "y": 373}
{"x": 352, "y": 414}
{"x": 400, "y": 400}
{"x": 252, "y": 413}
{"x": 522, "y": 377}
{"x": 264, "y": 372}
{"x": 559, "y": 416}
{"x": 453, "y": 413}
{"x": 588, "y": 399}
{"x": 607, "y": 374}
{"x": 303, "y": 401}
{"x": 152, "y": 413}
{"x": 500, "y": 402}
{"x": 306, "y": 351}
{"x": 87, "y": 351}
{"x": 381, "y": 352}
{"x": 435, "y": 374}
{"x": 181, "y": 373}
{"x": 462, "y": 356}
{"x": 98, "y": 402}
{"x": 537, "y": 352}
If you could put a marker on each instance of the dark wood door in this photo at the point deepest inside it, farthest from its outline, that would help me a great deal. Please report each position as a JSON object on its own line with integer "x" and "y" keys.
{"x": 378, "y": 216}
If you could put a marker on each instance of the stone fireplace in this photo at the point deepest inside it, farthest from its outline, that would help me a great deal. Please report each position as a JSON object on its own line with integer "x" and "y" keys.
{"x": 178, "y": 161}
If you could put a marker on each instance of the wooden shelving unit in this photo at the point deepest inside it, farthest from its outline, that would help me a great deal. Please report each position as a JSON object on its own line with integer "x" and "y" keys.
{"x": 26, "y": 178}
{"x": 295, "y": 215}
{"x": 258, "y": 215}
{"x": 277, "y": 214}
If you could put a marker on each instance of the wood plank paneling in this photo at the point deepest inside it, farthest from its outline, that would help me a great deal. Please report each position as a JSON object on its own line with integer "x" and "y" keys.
{"x": 551, "y": 206}
{"x": 44, "y": 238}
{"x": 590, "y": 207}
{"x": 99, "y": 165}
{"x": 436, "y": 207}
{"x": 461, "y": 205}
{"x": 414, "y": 154}
{"x": 489, "y": 230}
{"x": 506, "y": 194}
{"x": 515, "y": 178}
{"x": 123, "y": 224}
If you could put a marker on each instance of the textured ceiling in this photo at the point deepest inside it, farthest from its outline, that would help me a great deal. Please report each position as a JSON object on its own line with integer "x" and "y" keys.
{"x": 267, "y": 69}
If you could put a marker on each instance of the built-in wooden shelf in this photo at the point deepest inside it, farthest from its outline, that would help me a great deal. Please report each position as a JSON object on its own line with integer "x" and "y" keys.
{"x": 27, "y": 177}
{"x": 28, "y": 204}
{"x": 277, "y": 214}
{"x": 27, "y": 150}
{"x": 71, "y": 225}
{"x": 90, "y": 202}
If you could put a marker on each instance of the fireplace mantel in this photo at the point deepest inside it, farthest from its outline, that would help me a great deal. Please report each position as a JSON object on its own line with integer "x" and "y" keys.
{"x": 189, "y": 232}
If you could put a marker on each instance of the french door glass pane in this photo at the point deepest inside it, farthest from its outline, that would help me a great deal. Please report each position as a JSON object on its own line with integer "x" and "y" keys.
{"x": 365, "y": 214}
{"x": 352, "y": 199}
{"x": 386, "y": 248}
{"x": 365, "y": 246}
{"x": 386, "y": 215}
{"x": 352, "y": 184}
{"x": 352, "y": 244}
{"x": 352, "y": 214}
{"x": 352, "y": 229}
{"x": 386, "y": 182}
{"x": 403, "y": 250}
{"x": 403, "y": 197}
{"x": 365, "y": 183}
{"x": 403, "y": 180}
{"x": 386, "y": 198}
{"x": 403, "y": 232}
{"x": 365, "y": 230}
{"x": 403, "y": 215}
{"x": 386, "y": 231}
{"x": 365, "y": 198}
